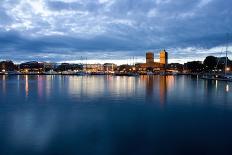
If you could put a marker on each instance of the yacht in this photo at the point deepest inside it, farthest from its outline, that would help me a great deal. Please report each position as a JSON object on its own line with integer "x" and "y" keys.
{"x": 221, "y": 77}
{"x": 51, "y": 72}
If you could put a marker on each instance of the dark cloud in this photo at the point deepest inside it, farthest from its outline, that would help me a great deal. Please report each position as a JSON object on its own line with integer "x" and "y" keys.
{"x": 65, "y": 27}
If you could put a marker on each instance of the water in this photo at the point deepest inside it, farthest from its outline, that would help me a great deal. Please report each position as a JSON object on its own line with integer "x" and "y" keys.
{"x": 102, "y": 115}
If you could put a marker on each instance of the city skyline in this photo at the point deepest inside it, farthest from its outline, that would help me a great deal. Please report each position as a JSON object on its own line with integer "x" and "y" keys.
{"x": 112, "y": 30}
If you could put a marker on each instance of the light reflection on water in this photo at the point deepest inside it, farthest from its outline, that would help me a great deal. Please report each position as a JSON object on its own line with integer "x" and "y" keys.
{"x": 114, "y": 115}
{"x": 148, "y": 89}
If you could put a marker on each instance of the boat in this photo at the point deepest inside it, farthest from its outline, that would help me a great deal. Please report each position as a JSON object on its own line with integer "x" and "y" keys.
{"x": 98, "y": 73}
{"x": 175, "y": 73}
{"x": 165, "y": 74}
{"x": 220, "y": 77}
{"x": 12, "y": 73}
{"x": 69, "y": 72}
{"x": 51, "y": 72}
{"x": 150, "y": 73}
{"x": 126, "y": 74}
{"x": 217, "y": 77}
{"x": 81, "y": 73}
{"x": 132, "y": 74}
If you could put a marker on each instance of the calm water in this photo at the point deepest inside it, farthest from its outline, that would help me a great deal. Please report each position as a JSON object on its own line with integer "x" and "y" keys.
{"x": 101, "y": 115}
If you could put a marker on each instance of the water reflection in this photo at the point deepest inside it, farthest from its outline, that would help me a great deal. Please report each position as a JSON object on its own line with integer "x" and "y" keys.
{"x": 159, "y": 90}
{"x": 119, "y": 114}
{"x": 26, "y": 85}
{"x": 3, "y": 82}
{"x": 150, "y": 96}
{"x": 227, "y": 88}
{"x": 163, "y": 89}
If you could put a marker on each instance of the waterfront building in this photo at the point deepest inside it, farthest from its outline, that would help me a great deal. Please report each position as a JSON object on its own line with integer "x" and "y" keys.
{"x": 175, "y": 67}
{"x": 149, "y": 58}
{"x": 163, "y": 59}
{"x": 109, "y": 67}
{"x": 151, "y": 65}
{"x": 93, "y": 67}
{"x": 49, "y": 66}
{"x": 31, "y": 67}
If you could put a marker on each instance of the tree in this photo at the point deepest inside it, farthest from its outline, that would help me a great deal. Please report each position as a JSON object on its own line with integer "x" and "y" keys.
{"x": 7, "y": 66}
{"x": 194, "y": 66}
{"x": 125, "y": 68}
{"x": 210, "y": 63}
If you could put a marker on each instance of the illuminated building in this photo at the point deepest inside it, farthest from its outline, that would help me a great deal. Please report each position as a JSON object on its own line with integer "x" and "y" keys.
{"x": 49, "y": 66}
{"x": 150, "y": 65}
{"x": 149, "y": 58}
{"x": 93, "y": 67}
{"x": 175, "y": 67}
{"x": 163, "y": 59}
{"x": 109, "y": 67}
{"x": 31, "y": 67}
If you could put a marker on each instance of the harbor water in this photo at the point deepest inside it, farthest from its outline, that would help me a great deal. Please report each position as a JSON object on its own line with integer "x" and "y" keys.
{"x": 104, "y": 115}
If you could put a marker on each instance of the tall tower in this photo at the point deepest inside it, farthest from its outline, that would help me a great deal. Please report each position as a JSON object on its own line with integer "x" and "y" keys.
{"x": 149, "y": 58}
{"x": 164, "y": 58}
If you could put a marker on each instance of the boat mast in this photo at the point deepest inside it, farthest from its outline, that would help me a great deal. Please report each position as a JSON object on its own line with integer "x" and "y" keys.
{"x": 226, "y": 64}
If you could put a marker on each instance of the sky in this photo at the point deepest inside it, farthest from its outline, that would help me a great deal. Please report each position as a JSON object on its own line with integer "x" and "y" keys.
{"x": 113, "y": 30}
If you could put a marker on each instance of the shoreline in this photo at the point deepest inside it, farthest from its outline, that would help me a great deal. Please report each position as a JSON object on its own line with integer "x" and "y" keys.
{"x": 125, "y": 75}
{"x": 89, "y": 74}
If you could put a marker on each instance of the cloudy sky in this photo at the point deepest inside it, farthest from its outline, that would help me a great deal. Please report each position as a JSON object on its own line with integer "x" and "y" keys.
{"x": 113, "y": 30}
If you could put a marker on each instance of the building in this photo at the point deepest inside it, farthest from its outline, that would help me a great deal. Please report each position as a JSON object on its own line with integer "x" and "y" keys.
{"x": 49, "y": 66}
{"x": 163, "y": 59}
{"x": 109, "y": 67}
{"x": 31, "y": 67}
{"x": 93, "y": 67}
{"x": 150, "y": 65}
{"x": 149, "y": 58}
{"x": 175, "y": 67}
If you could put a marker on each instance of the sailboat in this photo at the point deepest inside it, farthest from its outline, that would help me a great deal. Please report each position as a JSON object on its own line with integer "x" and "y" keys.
{"x": 221, "y": 77}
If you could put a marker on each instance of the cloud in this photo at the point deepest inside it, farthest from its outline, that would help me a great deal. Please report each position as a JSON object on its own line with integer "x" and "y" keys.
{"x": 79, "y": 27}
